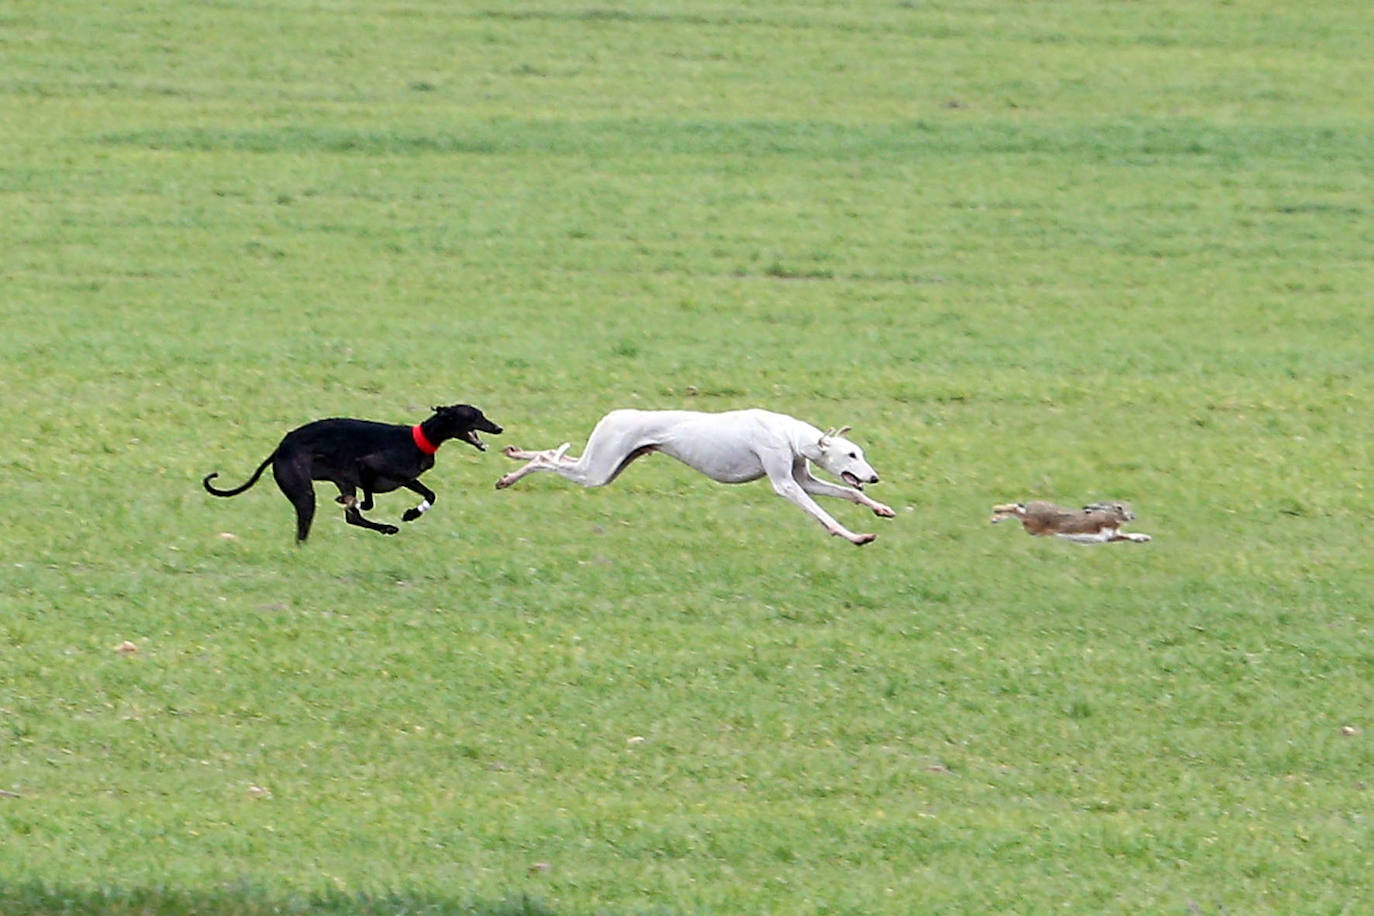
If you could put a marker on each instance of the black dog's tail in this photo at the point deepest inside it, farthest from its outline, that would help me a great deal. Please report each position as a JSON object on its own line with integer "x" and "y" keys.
{"x": 237, "y": 490}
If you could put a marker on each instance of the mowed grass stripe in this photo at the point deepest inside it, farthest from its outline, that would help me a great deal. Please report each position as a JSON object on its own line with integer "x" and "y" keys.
{"x": 1136, "y": 143}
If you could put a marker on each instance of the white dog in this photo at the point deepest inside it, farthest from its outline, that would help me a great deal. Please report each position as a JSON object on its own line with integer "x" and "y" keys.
{"x": 732, "y": 447}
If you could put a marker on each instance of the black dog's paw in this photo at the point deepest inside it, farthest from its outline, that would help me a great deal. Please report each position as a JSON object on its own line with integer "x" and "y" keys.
{"x": 388, "y": 529}
{"x": 410, "y": 515}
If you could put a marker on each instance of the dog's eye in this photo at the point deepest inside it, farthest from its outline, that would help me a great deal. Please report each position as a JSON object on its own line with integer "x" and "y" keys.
{"x": 854, "y": 455}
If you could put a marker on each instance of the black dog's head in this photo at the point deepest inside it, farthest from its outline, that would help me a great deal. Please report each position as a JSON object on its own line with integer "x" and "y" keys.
{"x": 462, "y": 421}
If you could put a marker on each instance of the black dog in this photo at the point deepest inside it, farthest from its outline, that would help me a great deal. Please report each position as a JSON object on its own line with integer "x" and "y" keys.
{"x": 363, "y": 455}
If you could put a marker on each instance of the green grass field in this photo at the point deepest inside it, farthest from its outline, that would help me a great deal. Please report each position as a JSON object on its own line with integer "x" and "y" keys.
{"x": 1065, "y": 250}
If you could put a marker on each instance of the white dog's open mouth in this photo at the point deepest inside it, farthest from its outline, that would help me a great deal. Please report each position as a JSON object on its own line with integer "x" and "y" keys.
{"x": 852, "y": 480}
{"x": 471, "y": 436}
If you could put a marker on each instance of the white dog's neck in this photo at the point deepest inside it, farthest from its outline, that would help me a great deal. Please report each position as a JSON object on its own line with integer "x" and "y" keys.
{"x": 807, "y": 442}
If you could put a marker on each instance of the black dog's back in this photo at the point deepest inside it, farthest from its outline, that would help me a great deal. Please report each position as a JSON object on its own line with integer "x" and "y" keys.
{"x": 362, "y": 455}
{"x": 337, "y": 430}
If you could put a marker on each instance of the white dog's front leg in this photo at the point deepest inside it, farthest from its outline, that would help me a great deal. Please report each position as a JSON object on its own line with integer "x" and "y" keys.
{"x": 792, "y": 491}
{"x": 817, "y": 487}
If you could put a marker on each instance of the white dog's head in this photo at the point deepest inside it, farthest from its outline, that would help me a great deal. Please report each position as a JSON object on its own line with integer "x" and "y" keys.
{"x": 844, "y": 459}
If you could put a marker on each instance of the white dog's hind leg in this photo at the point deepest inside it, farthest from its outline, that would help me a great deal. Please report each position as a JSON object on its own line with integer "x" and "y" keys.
{"x": 546, "y": 460}
{"x": 617, "y": 440}
{"x": 610, "y": 449}
{"x": 520, "y": 454}
{"x": 817, "y": 487}
{"x": 509, "y": 479}
{"x": 598, "y": 467}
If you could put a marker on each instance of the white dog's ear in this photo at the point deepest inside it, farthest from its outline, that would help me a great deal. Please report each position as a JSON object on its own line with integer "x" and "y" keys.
{"x": 842, "y": 430}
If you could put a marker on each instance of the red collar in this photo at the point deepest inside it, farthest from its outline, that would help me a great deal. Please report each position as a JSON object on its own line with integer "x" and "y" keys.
{"x": 421, "y": 441}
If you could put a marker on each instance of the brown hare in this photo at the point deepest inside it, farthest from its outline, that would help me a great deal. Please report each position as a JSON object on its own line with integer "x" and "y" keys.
{"x": 1096, "y": 523}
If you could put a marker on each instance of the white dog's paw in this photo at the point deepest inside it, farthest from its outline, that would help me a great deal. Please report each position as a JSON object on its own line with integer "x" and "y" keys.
{"x": 1140, "y": 538}
{"x": 883, "y": 511}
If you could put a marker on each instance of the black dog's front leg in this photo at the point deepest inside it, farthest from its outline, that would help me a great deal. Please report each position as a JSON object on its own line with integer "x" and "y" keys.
{"x": 427, "y": 499}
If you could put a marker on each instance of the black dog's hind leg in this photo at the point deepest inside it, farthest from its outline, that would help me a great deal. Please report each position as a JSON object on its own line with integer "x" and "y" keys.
{"x": 427, "y": 499}
{"x": 354, "y": 517}
{"x": 366, "y": 480}
{"x": 345, "y": 499}
{"x": 293, "y": 478}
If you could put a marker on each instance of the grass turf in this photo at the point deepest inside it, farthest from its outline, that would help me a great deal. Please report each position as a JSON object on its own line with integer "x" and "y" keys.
{"x": 1063, "y": 250}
